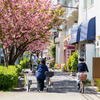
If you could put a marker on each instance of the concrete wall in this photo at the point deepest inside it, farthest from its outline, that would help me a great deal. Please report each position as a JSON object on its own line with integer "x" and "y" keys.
{"x": 62, "y": 36}
{"x": 59, "y": 47}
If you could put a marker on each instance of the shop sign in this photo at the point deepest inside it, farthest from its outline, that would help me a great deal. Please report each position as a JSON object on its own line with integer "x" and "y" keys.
{"x": 71, "y": 47}
{"x": 65, "y": 43}
{"x": 97, "y": 52}
{"x": 66, "y": 40}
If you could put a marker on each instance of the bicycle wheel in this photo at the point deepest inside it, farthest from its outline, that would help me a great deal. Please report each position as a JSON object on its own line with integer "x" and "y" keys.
{"x": 21, "y": 84}
{"x": 48, "y": 89}
{"x": 28, "y": 87}
{"x": 82, "y": 88}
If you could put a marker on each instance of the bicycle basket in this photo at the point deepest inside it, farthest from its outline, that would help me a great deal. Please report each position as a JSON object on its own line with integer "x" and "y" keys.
{"x": 83, "y": 76}
{"x": 49, "y": 73}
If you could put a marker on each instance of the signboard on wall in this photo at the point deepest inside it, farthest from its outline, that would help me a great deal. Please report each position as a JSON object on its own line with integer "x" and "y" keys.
{"x": 71, "y": 47}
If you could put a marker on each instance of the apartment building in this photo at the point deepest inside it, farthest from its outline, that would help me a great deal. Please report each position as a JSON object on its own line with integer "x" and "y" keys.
{"x": 81, "y": 33}
{"x": 89, "y": 22}
{"x": 72, "y": 15}
{"x": 59, "y": 40}
{"x": 83, "y": 25}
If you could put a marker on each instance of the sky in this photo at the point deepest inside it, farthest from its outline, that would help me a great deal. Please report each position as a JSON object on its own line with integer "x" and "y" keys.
{"x": 55, "y": 1}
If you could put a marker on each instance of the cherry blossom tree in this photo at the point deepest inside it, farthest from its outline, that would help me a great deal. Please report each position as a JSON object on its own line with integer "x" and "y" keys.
{"x": 26, "y": 22}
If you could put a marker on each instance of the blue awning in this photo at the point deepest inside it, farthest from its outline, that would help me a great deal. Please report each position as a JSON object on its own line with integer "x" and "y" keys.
{"x": 75, "y": 34}
{"x": 87, "y": 30}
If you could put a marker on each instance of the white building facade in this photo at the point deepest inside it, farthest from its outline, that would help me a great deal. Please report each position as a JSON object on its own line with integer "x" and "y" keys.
{"x": 88, "y": 22}
{"x": 72, "y": 16}
{"x": 88, "y": 10}
{"x": 59, "y": 40}
{"x": 84, "y": 16}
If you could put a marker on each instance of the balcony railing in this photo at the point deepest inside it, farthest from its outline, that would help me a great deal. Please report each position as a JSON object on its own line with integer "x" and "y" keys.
{"x": 71, "y": 5}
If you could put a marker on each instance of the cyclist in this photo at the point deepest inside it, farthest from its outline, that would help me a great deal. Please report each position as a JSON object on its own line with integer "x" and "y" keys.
{"x": 81, "y": 68}
{"x": 34, "y": 62}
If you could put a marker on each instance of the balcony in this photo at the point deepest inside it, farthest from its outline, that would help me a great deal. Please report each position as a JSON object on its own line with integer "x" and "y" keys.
{"x": 57, "y": 40}
{"x": 72, "y": 13}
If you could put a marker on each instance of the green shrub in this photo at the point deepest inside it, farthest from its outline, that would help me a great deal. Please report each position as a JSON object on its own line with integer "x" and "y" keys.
{"x": 23, "y": 63}
{"x": 8, "y": 77}
{"x": 56, "y": 66}
{"x": 19, "y": 69}
{"x": 69, "y": 63}
{"x": 63, "y": 67}
{"x": 52, "y": 63}
{"x": 38, "y": 61}
{"x": 88, "y": 82}
{"x": 98, "y": 84}
{"x": 74, "y": 61}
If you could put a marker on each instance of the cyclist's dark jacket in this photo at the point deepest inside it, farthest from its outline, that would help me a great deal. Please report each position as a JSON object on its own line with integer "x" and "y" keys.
{"x": 82, "y": 67}
{"x": 41, "y": 71}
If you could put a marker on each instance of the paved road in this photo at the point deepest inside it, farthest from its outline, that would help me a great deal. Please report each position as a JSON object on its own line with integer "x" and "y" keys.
{"x": 64, "y": 88}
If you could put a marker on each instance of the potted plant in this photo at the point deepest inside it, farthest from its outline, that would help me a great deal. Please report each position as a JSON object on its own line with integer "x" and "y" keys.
{"x": 56, "y": 66}
{"x": 69, "y": 64}
{"x": 98, "y": 84}
{"x": 52, "y": 63}
{"x": 74, "y": 62}
{"x": 63, "y": 67}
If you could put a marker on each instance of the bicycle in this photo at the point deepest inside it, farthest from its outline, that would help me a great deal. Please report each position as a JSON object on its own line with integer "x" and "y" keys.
{"x": 48, "y": 74}
{"x": 34, "y": 68}
{"x": 23, "y": 81}
{"x": 83, "y": 77}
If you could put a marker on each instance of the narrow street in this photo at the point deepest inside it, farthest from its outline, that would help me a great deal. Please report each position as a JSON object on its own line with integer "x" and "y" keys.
{"x": 64, "y": 88}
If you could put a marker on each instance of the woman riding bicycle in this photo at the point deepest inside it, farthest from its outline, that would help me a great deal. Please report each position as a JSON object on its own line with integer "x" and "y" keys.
{"x": 81, "y": 68}
{"x": 34, "y": 60}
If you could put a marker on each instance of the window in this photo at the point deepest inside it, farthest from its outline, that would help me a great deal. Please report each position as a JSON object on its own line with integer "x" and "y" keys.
{"x": 63, "y": 2}
{"x": 71, "y": 4}
{"x": 88, "y": 3}
{"x": 85, "y": 3}
{"x": 92, "y": 2}
{"x": 67, "y": 11}
{"x": 63, "y": 26}
{"x": 76, "y": 1}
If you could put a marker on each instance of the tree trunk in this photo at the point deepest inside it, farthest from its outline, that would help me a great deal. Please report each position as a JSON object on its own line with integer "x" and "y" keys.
{"x": 38, "y": 55}
{"x": 5, "y": 58}
{"x": 16, "y": 56}
{"x": 11, "y": 55}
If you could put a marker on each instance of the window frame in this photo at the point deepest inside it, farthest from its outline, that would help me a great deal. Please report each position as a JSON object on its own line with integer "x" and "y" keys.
{"x": 86, "y": 4}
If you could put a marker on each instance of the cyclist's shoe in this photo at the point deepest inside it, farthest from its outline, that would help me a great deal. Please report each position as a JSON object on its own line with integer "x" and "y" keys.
{"x": 78, "y": 86}
{"x": 38, "y": 91}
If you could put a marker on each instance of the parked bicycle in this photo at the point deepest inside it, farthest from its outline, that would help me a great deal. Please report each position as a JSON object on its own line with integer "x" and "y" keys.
{"x": 24, "y": 82}
{"x": 34, "y": 67}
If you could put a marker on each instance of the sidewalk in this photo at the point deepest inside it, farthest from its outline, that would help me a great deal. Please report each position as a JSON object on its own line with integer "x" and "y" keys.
{"x": 64, "y": 88}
